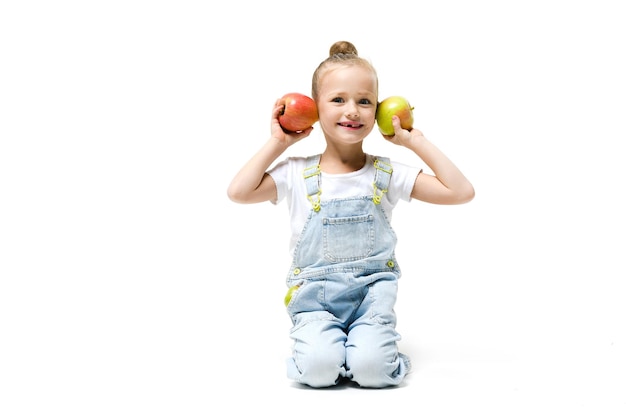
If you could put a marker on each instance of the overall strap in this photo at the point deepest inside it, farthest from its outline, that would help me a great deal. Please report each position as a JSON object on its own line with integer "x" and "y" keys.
{"x": 312, "y": 179}
{"x": 382, "y": 178}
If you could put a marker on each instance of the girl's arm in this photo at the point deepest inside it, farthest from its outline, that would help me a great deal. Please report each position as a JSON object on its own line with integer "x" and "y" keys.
{"x": 448, "y": 185}
{"x": 252, "y": 184}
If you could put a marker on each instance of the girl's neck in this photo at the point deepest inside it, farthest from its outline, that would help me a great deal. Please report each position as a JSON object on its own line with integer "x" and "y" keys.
{"x": 342, "y": 161}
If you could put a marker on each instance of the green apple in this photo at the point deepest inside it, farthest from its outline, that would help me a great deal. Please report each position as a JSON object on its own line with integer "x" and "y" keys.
{"x": 290, "y": 294}
{"x": 394, "y": 106}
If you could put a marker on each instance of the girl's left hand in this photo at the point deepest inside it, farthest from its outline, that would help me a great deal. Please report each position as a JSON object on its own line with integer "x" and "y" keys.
{"x": 401, "y": 136}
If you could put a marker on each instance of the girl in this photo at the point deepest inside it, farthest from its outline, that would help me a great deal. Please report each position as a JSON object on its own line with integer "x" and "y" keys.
{"x": 343, "y": 278}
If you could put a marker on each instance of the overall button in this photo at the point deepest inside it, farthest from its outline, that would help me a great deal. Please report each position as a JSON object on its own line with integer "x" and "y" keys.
{"x": 391, "y": 264}
{"x": 296, "y": 271}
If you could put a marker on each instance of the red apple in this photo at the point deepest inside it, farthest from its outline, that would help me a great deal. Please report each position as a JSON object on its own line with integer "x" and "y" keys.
{"x": 394, "y": 106}
{"x": 299, "y": 113}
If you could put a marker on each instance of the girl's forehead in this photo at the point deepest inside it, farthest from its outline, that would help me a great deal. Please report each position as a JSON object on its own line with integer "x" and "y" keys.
{"x": 352, "y": 74}
{"x": 352, "y": 68}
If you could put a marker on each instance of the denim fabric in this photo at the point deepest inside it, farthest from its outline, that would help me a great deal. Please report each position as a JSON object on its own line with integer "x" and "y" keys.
{"x": 342, "y": 311}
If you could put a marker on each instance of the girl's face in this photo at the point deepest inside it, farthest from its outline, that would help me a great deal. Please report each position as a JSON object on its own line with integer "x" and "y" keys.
{"x": 347, "y": 103}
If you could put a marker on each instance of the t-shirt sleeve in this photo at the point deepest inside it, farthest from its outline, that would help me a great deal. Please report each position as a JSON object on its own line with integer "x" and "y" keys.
{"x": 280, "y": 175}
{"x": 402, "y": 181}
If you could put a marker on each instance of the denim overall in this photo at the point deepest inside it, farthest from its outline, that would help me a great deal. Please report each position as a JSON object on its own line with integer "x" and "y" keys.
{"x": 344, "y": 277}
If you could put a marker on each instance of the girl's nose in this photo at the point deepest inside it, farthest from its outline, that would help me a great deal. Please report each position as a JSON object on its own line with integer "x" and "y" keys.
{"x": 352, "y": 111}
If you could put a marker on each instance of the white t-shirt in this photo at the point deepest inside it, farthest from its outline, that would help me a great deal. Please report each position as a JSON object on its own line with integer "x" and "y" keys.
{"x": 289, "y": 180}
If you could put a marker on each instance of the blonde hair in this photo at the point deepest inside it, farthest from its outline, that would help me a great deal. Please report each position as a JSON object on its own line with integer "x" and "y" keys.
{"x": 340, "y": 53}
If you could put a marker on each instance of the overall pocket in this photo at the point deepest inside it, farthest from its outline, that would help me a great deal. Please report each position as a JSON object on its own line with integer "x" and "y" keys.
{"x": 348, "y": 238}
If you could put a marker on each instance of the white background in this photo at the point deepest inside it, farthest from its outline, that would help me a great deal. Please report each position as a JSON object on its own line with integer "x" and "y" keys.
{"x": 131, "y": 286}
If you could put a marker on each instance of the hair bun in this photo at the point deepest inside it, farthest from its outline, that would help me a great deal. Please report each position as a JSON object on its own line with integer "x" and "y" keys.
{"x": 343, "y": 47}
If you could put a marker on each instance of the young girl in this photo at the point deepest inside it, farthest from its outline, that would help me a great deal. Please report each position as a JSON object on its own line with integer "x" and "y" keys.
{"x": 343, "y": 279}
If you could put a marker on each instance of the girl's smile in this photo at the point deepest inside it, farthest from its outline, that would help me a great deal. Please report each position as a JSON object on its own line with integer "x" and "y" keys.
{"x": 351, "y": 125}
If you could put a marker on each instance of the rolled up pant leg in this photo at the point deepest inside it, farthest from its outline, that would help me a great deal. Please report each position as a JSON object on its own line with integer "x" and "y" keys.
{"x": 319, "y": 352}
{"x": 372, "y": 357}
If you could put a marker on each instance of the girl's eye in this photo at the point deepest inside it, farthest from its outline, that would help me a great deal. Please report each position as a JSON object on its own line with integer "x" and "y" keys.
{"x": 364, "y": 101}
{"x": 337, "y": 100}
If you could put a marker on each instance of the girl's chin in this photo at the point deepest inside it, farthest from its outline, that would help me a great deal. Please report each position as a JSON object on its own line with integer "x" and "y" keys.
{"x": 344, "y": 142}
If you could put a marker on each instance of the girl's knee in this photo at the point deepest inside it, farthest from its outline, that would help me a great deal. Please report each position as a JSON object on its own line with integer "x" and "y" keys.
{"x": 319, "y": 368}
{"x": 319, "y": 353}
{"x": 375, "y": 368}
